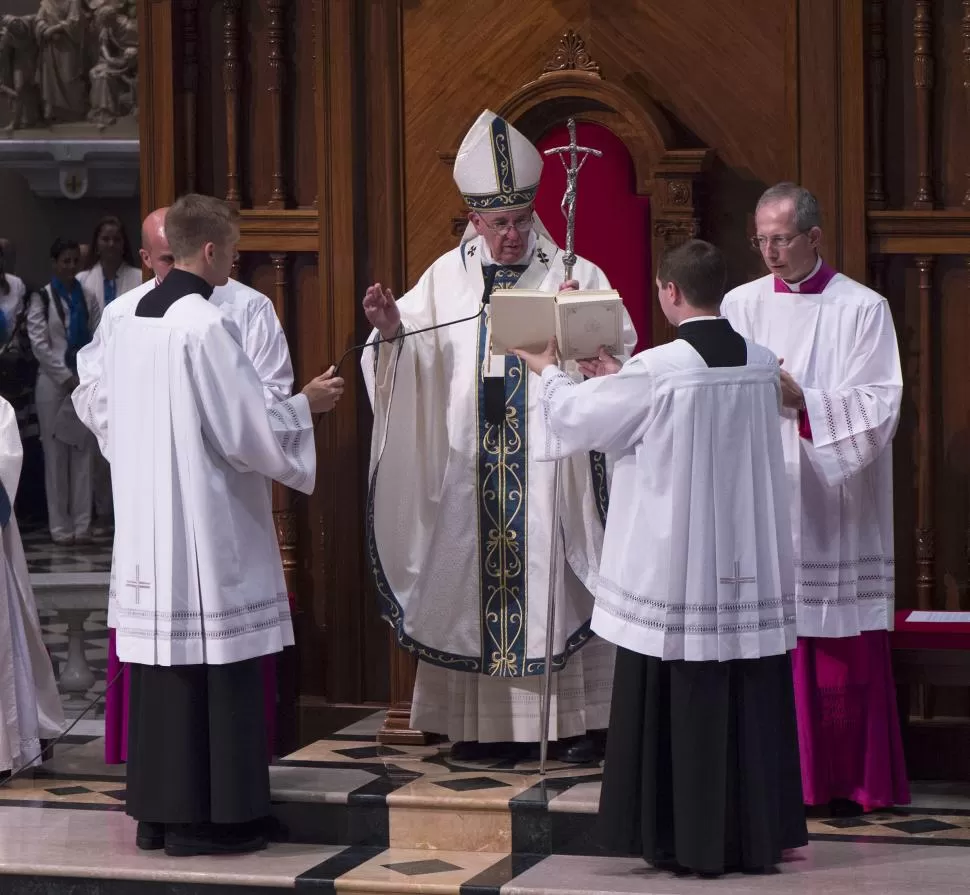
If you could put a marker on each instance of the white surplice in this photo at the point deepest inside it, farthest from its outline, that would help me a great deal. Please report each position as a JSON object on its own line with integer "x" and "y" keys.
{"x": 181, "y": 415}
{"x": 30, "y": 706}
{"x": 460, "y": 514}
{"x": 263, "y": 341}
{"x": 840, "y": 346}
{"x": 697, "y": 557}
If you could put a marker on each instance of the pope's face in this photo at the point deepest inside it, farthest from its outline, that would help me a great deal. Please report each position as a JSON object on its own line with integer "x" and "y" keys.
{"x": 505, "y": 232}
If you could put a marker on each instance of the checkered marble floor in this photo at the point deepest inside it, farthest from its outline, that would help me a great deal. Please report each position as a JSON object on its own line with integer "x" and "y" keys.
{"x": 356, "y": 816}
{"x": 44, "y": 556}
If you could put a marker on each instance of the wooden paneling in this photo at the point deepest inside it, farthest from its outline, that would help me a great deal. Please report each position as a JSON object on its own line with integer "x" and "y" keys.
{"x": 919, "y": 234}
{"x": 337, "y": 135}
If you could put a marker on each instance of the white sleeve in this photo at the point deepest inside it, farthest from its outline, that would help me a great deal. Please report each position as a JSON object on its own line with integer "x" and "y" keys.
{"x": 607, "y": 414}
{"x": 276, "y": 442}
{"x": 267, "y": 348}
{"x": 90, "y": 398}
{"x": 856, "y": 420}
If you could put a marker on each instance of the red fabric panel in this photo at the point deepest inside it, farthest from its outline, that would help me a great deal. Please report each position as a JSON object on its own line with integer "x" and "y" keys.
{"x": 804, "y": 425}
{"x": 612, "y": 221}
{"x": 929, "y": 635}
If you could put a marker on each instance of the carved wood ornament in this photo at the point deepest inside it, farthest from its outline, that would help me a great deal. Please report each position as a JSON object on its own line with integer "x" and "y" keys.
{"x": 876, "y": 193}
{"x": 274, "y": 35}
{"x": 231, "y": 77}
{"x": 572, "y": 55}
{"x": 190, "y": 84}
{"x": 923, "y": 78}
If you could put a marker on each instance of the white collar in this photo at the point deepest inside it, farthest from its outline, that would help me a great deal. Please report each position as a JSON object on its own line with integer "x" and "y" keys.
{"x": 526, "y": 257}
{"x": 696, "y": 319}
{"x": 796, "y": 287}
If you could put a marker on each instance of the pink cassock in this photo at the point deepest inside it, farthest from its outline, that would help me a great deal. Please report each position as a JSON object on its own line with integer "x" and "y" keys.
{"x": 845, "y": 699}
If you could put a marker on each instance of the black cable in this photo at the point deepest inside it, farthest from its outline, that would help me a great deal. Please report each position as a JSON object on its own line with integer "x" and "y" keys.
{"x": 33, "y": 762}
{"x": 405, "y": 334}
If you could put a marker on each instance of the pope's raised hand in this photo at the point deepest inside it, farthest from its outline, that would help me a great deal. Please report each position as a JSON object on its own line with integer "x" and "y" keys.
{"x": 324, "y": 392}
{"x": 381, "y": 310}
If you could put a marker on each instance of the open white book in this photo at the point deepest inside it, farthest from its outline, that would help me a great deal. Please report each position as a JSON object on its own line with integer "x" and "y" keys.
{"x": 580, "y": 321}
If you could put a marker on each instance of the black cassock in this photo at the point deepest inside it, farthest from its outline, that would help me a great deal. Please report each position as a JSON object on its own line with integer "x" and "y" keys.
{"x": 197, "y": 747}
{"x": 702, "y": 764}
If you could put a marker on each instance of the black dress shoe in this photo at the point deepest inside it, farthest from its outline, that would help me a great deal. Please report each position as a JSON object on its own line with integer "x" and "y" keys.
{"x": 150, "y": 836}
{"x": 188, "y": 840}
{"x": 586, "y": 749}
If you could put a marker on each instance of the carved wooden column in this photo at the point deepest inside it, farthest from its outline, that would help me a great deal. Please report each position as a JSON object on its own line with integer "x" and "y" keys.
{"x": 190, "y": 87}
{"x": 923, "y": 76}
{"x": 285, "y": 522}
{"x": 274, "y": 35}
{"x": 965, "y": 22}
{"x": 231, "y": 78}
{"x": 925, "y": 533}
{"x": 283, "y": 513}
{"x": 877, "y": 273}
{"x": 676, "y": 213}
{"x": 876, "y": 194}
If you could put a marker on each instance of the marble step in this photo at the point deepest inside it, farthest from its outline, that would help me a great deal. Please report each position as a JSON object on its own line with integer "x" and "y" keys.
{"x": 417, "y": 798}
{"x": 75, "y": 852}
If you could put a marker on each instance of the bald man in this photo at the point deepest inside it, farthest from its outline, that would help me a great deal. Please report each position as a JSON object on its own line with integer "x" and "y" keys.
{"x": 263, "y": 341}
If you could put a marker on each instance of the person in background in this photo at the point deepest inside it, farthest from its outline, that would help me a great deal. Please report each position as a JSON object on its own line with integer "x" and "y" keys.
{"x": 110, "y": 271}
{"x": 61, "y": 319}
{"x": 110, "y": 268}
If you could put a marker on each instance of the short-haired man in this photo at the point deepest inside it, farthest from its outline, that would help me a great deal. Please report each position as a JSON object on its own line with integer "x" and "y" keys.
{"x": 842, "y": 386}
{"x": 695, "y": 584}
{"x": 265, "y": 345}
{"x": 197, "y": 595}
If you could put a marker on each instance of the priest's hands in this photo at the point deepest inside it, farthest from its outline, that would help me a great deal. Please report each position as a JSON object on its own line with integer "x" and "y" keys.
{"x": 602, "y": 365}
{"x": 381, "y": 311}
{"x": 538, "y": 362}
{"x": 570, "y": 286}
{"x": 792, "y": 395}
{"x": 324, "y": 392}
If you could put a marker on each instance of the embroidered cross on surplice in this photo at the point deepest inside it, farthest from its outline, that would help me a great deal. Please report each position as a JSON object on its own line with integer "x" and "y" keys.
{"x": 737, "y": 581}
{"x": 138, "y": 585}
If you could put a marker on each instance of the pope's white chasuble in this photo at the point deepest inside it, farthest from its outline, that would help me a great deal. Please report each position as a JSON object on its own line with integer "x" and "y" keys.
{"x": 459, "y": 510}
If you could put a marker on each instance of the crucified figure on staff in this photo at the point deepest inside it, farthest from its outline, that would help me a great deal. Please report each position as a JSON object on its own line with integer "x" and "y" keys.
{"x": 568, "y": 204}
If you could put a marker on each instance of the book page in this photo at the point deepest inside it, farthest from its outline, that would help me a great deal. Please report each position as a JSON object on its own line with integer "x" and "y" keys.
{"x": 939, "y": 618}
{"x": 521, "y": 319}
{"x": 587, "y": 320}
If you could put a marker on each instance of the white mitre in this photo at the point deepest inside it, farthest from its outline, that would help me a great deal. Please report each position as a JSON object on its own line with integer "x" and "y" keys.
{"x": 497, "y": 168}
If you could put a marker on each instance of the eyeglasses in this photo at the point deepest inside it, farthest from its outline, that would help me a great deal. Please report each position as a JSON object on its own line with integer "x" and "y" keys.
{"x": 523, "y": 226}
{"x": 760, "y": 243}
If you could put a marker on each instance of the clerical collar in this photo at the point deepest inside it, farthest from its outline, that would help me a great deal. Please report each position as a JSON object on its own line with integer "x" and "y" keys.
{"x": 698, "y": 319}
{"x": 178, "y": 284}
{"x": 187, "y": 283}
{"x": 813, "y": 284}
{"x": 526, "y": 255}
